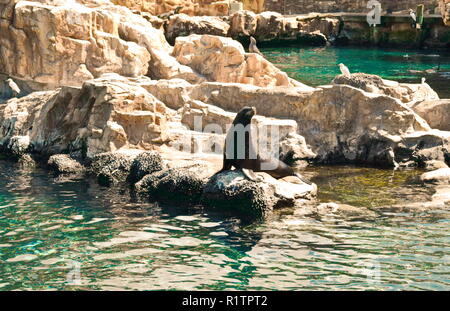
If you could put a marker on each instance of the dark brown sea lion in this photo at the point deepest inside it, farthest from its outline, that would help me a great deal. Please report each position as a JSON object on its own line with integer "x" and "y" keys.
{"x": 240, "y": 152}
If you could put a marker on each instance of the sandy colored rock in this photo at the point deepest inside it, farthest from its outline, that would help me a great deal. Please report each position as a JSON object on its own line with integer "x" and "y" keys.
{"x": 243, "y": 23}
{"x": 181, "y": 25}
{"x": 435, "y": 112}
{"x": 224, "y": 60}
{"x": 444, "y": 5}
{"x": 64, "y": 164}
{"x": 440, "y": 176}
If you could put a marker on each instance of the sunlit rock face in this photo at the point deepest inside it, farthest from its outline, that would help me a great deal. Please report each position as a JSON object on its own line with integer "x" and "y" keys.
{"x": 341, "y": 123}
{"x": 444, "y": 5}
{"x": 183, "y": 25}
{"x": 435, "y": 112}
{"x": 190, "y": 7}
{"x": 103, "y": 115}
{"x": 224, "y": 60}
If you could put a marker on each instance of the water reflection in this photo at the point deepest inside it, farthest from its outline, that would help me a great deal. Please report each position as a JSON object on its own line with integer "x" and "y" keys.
{"x": 47, "y": 223}
{"x": 318, "y": 66}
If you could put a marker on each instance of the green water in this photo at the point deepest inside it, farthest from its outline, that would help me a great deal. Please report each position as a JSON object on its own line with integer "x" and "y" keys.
{"x": 318, "y": 66}
{"x": 47, "y": 222}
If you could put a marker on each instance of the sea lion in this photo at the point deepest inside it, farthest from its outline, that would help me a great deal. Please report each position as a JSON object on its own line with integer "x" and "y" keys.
{"x": 245, "y": 157}
{"x": 253, "y": 48}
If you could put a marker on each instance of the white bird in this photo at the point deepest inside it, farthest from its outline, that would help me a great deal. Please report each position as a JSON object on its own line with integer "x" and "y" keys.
{"x": 344, "y": 70}
{"x": 15, "y": 90}
{"x": 423, "y": 80}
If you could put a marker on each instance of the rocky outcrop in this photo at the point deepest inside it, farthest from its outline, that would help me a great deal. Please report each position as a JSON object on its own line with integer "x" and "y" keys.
{"x": 232, "y": 191}
{"x": 112, "y": 167}
{"x": 435, "y": 112}
{"x": 440, "y": 176}
{"x": 407, "y": 93}
{"x": 190, "y": 7}
{"x": 243, "y": 23}
{"x": 144, "y": 164}
{"x": 182, "y": 185}
{"x": 65, "y": 164}
{"x": 66, "y": 43}
{"x": 231, "y": 64}
{"x": 444, "y": 5}
{"x": 341, "y": 123}
{"x": 181, "y": 25}
{"x": 103, "y": 115}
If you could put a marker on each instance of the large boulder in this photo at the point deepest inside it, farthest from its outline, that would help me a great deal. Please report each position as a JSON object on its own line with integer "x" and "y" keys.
{"x": 112, "y": 167}
{"x": 65, "y": 164}
{"x": 182, "y": 185}
{"x": 341, "y": 123}
{"x": 407, "y": 93}
{"x": 444, "y": 5}
{"x": 435, "y": 112}
{"x": 233, "y": 192}
{"x": 181, "y": 25}
{"x": 440, "y": 176}
{"x": 105, "y": 114}
{"x": 224, "y": 60}
{"x": 66, "y": 42}
{"x": 243, "y": 23}
{"x": 144, "y": 164}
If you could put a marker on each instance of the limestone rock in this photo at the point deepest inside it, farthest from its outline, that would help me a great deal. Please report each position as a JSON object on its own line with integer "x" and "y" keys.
{"x": 224, "y": 60}
{"x": 64, "y": 164}
{"x": 295, "y": 151}
{"x": 269, "y": 25}
{"x": 444, "y": 5}
{"x": 175, "y": 185}
{"x": 243, "y": 23}
{"x": 433, "y": 165}
{"x": 232, "y": 191}
{"x": 435, "y": 112}
{"x": 112, "y": 167}
{"x": 66, "y": 42}
{"x": 181, "y": 25}
{"x": 440, "y": 176}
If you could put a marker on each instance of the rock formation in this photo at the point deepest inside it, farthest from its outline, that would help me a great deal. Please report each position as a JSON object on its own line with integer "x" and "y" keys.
{"x": 444, "y": 5}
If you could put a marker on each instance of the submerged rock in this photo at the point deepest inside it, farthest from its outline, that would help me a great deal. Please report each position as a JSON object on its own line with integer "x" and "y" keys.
{"x": 232, "y": 191}
{"x": 144, "y": 164}
{"x": 182, "y": 185}
{"x": 112, "y": 167}
{"x": 64, "y": 164}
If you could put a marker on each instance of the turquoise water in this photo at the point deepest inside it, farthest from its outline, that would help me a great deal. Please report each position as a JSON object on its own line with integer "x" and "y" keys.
{"x": 318, "y": 66}
{"x": 51, "y": 225}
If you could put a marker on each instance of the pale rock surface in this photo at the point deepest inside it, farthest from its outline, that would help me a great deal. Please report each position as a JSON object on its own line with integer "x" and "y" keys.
{"x": 66, "y": 42}
{"x": 183, "y": 25}
{"x": 224, "y": 60}
{"x": 340, "y": 123}
{"x": 232, "y": 191}
{"x": 243, "y": 23}
{"x": 407, "y": 93}
{"x": 435, "y": 112}
{"x": 444, "y": 5}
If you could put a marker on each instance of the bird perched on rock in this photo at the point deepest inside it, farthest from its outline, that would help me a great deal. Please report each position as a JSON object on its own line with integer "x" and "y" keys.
{"x": 253, "y": 48}
{"x": 344, "y": 70}
{"x": 14, "y": 88}
{"x": 423, "y": 80}
{"x": 413, "y": 16}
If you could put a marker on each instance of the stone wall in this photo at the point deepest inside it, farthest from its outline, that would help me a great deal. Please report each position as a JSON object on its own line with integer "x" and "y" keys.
{"x": 324, "y": 6}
